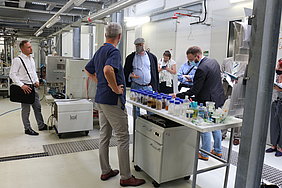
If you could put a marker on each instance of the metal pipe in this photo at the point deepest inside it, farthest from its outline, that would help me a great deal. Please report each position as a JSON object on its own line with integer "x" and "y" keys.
{"x": 101, "y": 14}
{"x": 64, "y": 8}
{"x": 37, "y": 11}
{"x": 211, "y": 168}
{"x": 111, "y": 9}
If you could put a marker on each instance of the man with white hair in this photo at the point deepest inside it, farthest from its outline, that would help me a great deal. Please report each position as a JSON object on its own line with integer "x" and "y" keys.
{"x": 105, "y": 68}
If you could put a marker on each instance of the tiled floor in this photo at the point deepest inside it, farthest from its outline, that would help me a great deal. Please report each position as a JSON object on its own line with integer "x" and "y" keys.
{"x": 79, "y": 169}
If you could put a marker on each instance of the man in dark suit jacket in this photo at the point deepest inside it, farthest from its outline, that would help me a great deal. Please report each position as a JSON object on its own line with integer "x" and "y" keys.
{"x": 207, "y": 86}
{"x": 135, "y": 62}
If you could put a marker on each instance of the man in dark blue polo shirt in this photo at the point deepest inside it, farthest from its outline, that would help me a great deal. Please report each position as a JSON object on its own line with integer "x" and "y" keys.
{"x": 105, "y": 68}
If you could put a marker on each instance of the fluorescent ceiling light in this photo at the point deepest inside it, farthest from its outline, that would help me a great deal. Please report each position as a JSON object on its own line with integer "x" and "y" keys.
{"x": 236, "y": 1}
{"x": 38, "y": 3}
{"x": 136, "y": 21}
{"x": 53, "y": 21}
{"x": 38, "y": 33}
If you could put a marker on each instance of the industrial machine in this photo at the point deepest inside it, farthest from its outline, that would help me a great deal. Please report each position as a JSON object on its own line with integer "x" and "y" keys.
{"x": 56, "y": 69}
{"x": 76, "y": 78}
{"x": 73, "y": 115}
{"x": 164, "y": 149}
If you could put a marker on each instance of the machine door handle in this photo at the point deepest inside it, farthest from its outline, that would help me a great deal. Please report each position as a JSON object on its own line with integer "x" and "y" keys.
{"x": 156, "y": 148}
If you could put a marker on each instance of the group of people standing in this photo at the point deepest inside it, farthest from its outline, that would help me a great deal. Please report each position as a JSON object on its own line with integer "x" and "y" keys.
{"x": 142, "y": 70}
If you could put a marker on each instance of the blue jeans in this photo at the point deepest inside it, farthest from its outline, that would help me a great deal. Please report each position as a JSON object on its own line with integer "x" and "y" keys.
{"x": 206, "y": 142}
{"x": 136, "y": 86}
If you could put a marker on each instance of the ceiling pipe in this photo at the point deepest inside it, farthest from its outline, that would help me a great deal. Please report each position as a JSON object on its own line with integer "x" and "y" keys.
{"x": 38, "y": 11}
{"x": 100, "y": 14}
{"x": 111, "y": 9}
{"x": 55, "y": 17}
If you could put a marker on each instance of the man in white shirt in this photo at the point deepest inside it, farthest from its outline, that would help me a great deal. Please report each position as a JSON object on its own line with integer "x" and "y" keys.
{"x": 20, "y": 77}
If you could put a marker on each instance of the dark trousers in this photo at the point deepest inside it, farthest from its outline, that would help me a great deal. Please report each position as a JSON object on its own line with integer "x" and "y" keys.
{"x": 165, "y": 89}
{"x": 276, "y": 123}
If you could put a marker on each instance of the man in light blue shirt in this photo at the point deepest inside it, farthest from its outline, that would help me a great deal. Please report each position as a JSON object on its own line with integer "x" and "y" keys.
{"x": 141, "y": 67}
{"x": 186, "y": 74}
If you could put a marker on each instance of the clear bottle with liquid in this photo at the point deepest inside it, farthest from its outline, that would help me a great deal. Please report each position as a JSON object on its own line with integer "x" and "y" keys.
{"x": 201, "y": 111}
{"x": 171, "y": 107}
{"x": 177, "y": 108}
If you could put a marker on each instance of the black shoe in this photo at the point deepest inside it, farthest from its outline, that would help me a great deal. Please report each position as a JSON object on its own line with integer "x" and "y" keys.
{"x": 31, "y": 132}
{"x": 46, "y": 127}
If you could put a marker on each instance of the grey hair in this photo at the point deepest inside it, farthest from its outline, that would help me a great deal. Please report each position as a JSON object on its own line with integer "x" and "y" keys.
{"x": 113, "y": 29}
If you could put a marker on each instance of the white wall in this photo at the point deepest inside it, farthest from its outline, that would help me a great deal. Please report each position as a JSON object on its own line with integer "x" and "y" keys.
{"x": 166, "y": 34}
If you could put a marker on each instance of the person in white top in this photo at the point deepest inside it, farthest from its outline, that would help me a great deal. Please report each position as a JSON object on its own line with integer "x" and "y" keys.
{"x": 20, "y": 77}
{"x": 166, "y": 68}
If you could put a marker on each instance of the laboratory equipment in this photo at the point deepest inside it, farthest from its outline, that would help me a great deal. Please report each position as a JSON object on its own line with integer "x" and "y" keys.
{"x": 76, "y": 80}
{"x": 72, "y": 115}
{"x": 164, "y": 149}
{"x": 56, "y": 69}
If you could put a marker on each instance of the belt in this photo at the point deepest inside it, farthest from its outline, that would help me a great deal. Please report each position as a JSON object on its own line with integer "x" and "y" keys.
{"x": 142, "y": 84}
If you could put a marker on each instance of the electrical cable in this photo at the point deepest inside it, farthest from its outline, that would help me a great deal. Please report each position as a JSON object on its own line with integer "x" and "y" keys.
{"x": 10, "y": 111}
{"x": 205, "y": 15}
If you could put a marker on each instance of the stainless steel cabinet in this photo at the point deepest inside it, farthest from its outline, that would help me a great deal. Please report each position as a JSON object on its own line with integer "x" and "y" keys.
{"x": 165, "y": 154}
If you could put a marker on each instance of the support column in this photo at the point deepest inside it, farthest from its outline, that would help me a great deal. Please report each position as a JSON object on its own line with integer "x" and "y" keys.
{"x": 121, "y": 45}
{"x": 263, "y": 52}
{"x": 100, "y": 36}
{"x": 59, "y": 44}
{"x": 91, "y": 38}
{"x": 76, "y": 42}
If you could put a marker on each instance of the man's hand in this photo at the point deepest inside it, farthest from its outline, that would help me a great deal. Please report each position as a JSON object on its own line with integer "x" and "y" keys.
{"x": 133, "y": 75}
{"x": 188, "y": 78}
{"x": 26, "y": 89}
{"x": 277, "y": 88}
{"x": 118, "y": 90}
{"x": 37, "y": 84}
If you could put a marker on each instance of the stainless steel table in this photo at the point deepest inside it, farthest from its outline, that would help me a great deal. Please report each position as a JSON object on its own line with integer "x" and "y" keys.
{"x": 230, "y": 122}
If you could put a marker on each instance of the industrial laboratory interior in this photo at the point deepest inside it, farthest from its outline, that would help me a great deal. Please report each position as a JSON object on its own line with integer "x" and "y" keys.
{"x": 147, "y": 93}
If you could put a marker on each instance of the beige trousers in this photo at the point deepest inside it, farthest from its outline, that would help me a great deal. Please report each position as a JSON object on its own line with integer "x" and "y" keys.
{"x": 112, "y": 117}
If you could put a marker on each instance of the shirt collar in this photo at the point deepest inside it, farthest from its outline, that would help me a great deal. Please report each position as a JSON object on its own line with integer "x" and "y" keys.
{"x": 141, "y": 55}
{"x": 25, "y": 56}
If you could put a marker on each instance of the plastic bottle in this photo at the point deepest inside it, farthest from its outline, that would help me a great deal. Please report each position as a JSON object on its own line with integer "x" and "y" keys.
{"x": 132, "y": 95}
{"x": 164, "y": 101}
{"x": 171, "y": 107}
{"x": 195, "y": 109}
{"x": 168, "y": 98}
{"x": 177, "y": 108}
{"x": 201, "y": 112}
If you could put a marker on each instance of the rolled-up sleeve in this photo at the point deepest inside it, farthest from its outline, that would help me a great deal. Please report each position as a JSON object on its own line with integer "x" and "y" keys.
{"x": 180, "y": 74}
